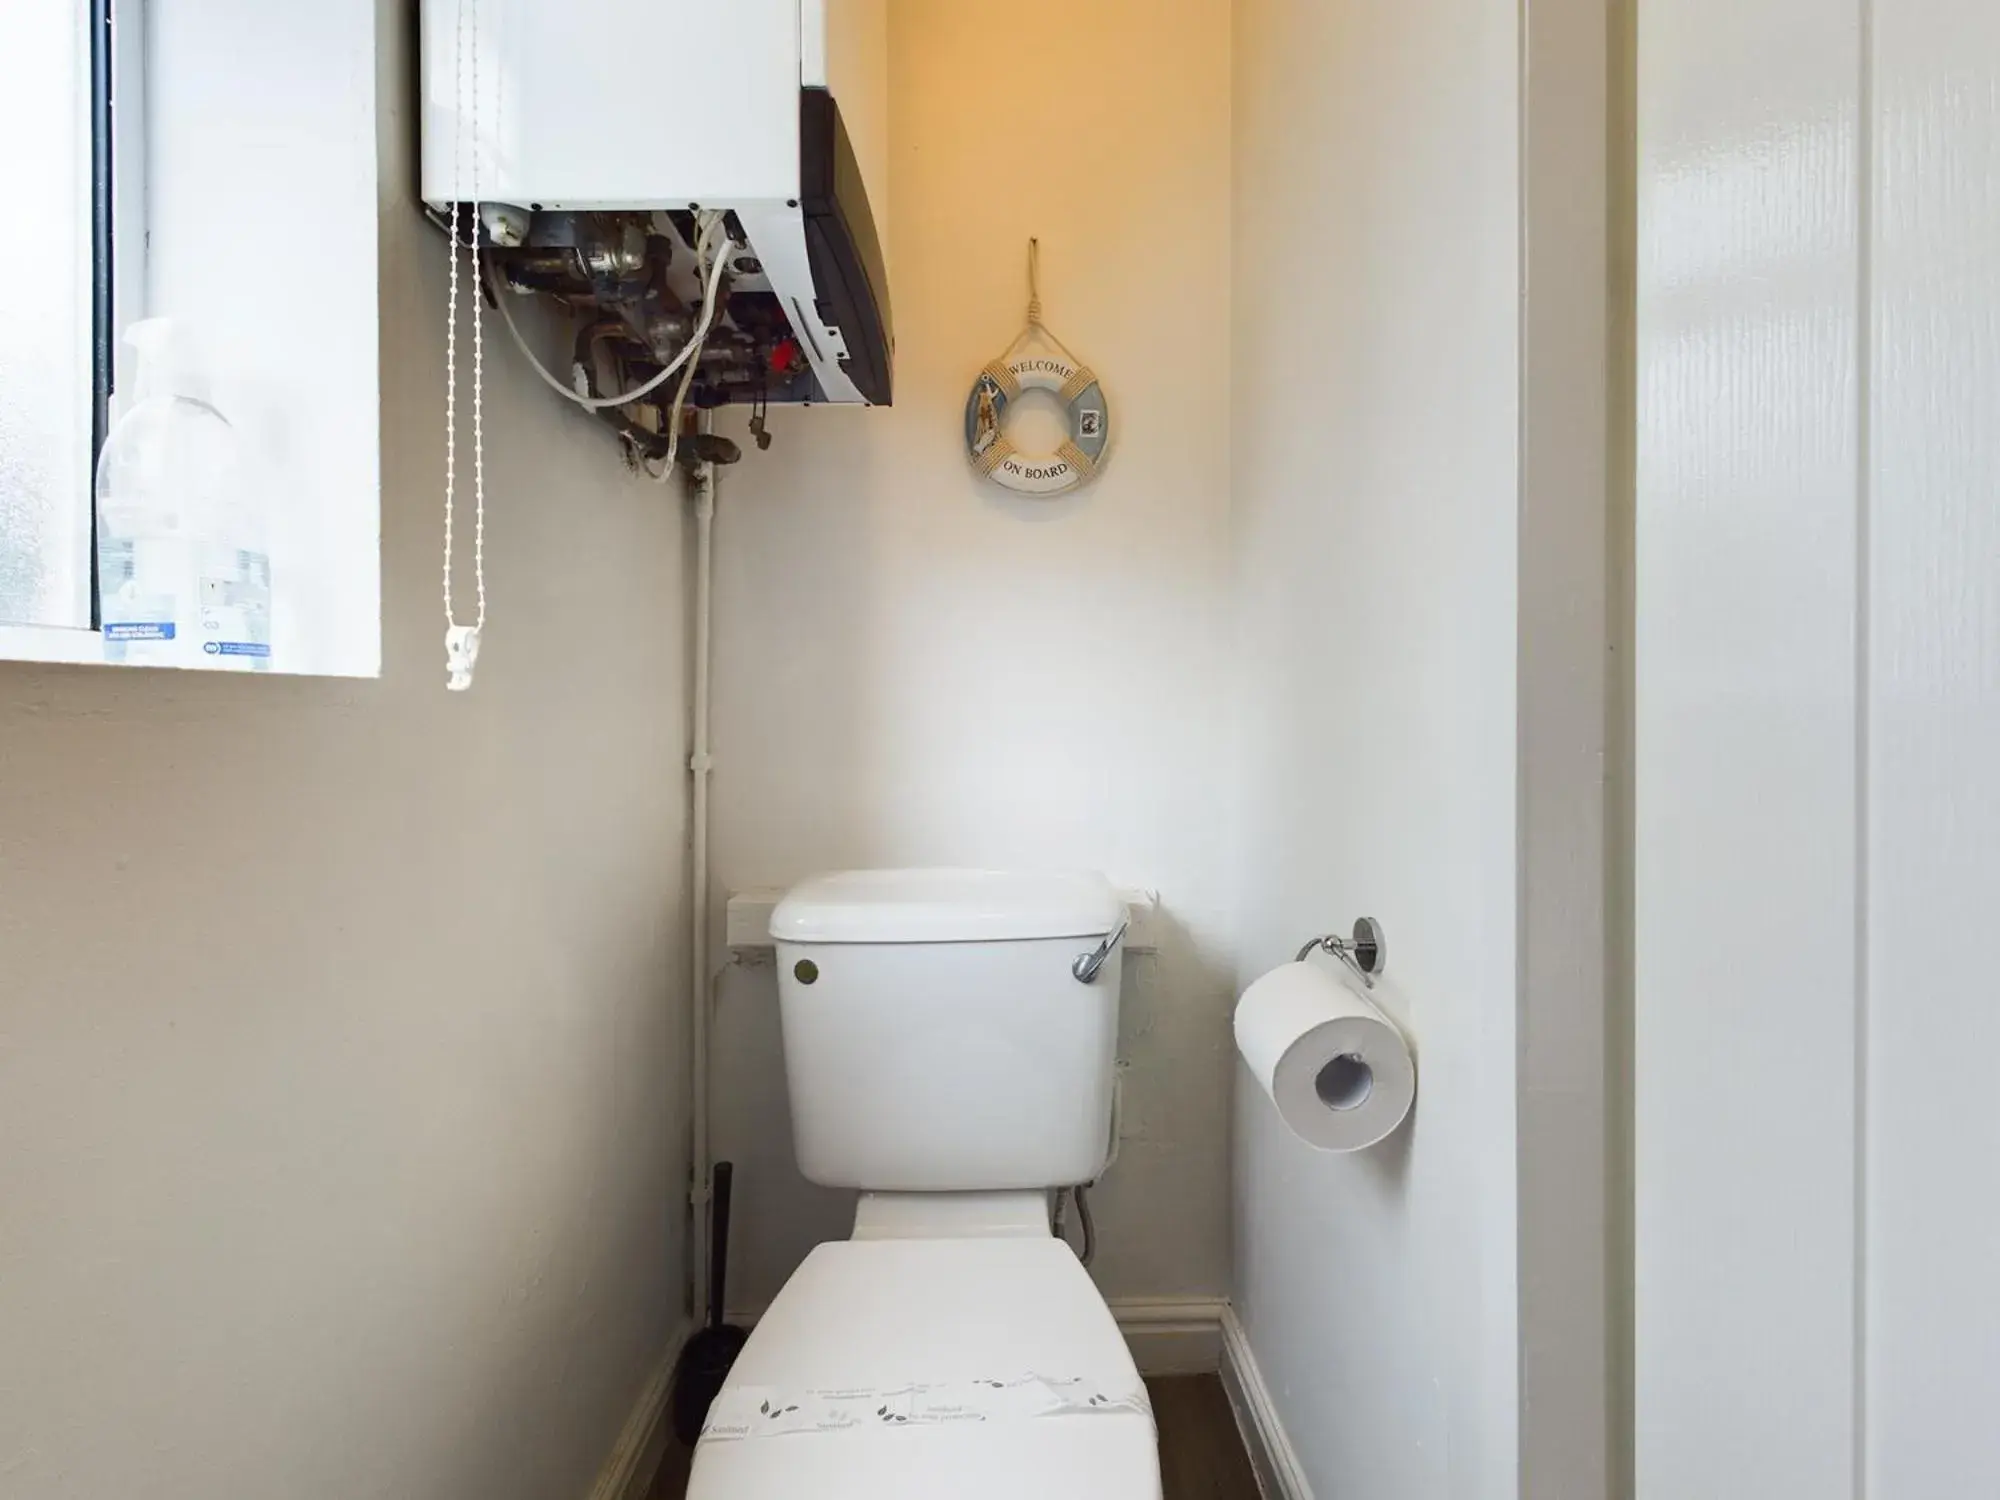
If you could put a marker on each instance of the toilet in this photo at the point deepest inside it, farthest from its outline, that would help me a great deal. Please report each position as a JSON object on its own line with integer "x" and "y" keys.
{"x": 950, "y": 1040}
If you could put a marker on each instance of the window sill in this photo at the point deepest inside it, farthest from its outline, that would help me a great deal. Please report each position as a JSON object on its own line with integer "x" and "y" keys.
{"x": 51, "y": 643}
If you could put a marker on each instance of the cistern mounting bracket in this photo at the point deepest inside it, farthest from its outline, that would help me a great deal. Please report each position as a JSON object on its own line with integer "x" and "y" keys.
{"x": 1366, "y": 953}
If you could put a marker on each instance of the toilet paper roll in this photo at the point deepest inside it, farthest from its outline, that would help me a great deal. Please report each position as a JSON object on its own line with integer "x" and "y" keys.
{"x": 1339, "y": 1070}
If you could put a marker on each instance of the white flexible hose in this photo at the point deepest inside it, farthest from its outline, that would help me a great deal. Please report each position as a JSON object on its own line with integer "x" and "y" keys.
{"x": 710, "y": 222}
{"x": 1117, "y": 1125}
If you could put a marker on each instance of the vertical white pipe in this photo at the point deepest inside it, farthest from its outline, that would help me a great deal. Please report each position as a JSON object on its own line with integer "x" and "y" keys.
{"x": 699, "y": 997}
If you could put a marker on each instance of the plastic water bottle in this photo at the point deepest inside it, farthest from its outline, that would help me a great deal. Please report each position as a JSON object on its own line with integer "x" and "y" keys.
{"x": 184, "y": 574}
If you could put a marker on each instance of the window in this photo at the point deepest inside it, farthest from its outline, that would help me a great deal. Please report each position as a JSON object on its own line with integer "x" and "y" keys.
{"x": 155, "y": 157}
{"x": 55, "y": 304}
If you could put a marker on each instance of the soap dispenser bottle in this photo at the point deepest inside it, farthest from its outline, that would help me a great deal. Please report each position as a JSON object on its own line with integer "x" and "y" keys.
{"x": 184, "y": 577}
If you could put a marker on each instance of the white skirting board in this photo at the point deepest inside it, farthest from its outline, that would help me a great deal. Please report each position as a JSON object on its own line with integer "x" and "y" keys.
{"x": 1203, "y": 1336}
{"x": 1279, "y": 1475}
{"x": 635, "y": 1458}
{"x": 1172, "y": 1335}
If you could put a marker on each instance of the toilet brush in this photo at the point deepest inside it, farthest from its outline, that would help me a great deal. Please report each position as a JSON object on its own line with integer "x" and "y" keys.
{"x": 705, "y": 1361}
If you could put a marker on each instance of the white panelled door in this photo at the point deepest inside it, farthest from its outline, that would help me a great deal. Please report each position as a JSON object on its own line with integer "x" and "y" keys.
{"x": 1818, "y": 750}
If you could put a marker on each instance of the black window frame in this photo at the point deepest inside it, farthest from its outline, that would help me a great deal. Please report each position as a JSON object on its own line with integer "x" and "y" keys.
{"x": 103, "y": 252}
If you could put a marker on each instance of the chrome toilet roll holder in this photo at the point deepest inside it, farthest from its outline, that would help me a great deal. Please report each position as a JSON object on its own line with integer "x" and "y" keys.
{"x": 1366, "y": 953}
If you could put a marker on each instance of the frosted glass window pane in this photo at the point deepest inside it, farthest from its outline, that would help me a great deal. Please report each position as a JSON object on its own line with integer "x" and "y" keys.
{"x": 45, "y": 313}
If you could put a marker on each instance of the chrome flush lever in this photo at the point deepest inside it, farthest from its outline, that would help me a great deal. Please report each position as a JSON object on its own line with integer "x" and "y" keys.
{"x": 1088, "y": 965}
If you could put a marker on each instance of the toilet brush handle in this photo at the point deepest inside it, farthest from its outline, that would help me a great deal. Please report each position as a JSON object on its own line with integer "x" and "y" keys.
{"x": 718, "y": 1243}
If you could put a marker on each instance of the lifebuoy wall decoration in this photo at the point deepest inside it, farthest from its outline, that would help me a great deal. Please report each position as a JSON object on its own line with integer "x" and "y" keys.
{"x": 1037, "y": 361}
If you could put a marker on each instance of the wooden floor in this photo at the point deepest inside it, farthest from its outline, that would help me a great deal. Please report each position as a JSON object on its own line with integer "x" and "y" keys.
{"x": 1201, "y": 1455}
{"x": 672, "y": 1481}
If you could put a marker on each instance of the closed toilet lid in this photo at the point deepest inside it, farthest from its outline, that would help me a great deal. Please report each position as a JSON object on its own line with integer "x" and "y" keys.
{"x": 933, "y": 1370}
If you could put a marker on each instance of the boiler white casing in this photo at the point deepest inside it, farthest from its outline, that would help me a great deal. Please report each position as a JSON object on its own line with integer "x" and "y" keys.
{"x": 660, "y": 104}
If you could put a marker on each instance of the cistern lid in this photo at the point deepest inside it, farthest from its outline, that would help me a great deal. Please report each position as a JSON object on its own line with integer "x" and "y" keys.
{"x": 945, "y": 906}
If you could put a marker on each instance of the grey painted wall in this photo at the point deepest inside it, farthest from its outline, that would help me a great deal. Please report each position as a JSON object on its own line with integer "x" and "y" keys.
{"x": 341, "y": 1023}
{"x": 1375, "y": 512}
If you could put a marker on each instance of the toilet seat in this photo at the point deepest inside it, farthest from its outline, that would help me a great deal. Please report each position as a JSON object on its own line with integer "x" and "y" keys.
{"x": 979, "y": 1370}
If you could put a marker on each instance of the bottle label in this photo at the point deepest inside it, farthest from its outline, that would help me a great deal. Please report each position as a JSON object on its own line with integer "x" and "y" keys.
{"x": 141, "y": 585}
{"x": 236, "y": 605}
